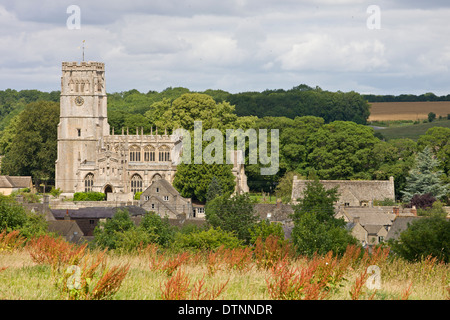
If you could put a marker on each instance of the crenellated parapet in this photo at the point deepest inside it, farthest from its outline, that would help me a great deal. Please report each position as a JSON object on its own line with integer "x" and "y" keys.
{"x": 83, "y": 65}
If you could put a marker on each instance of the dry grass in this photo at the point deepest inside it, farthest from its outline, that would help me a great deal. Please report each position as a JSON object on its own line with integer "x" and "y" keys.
{"x": 389, "y": 111}
{"x": 324, "y": 277}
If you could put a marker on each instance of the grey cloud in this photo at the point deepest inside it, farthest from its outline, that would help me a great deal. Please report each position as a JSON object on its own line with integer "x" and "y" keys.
{"x": 235, "y": 45}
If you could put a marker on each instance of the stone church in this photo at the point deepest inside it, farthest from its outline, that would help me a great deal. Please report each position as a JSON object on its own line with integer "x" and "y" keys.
{"x": 92, "y": 158}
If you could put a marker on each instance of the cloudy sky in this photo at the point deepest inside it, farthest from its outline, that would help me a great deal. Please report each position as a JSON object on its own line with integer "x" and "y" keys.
{"x": 233, "y": 45}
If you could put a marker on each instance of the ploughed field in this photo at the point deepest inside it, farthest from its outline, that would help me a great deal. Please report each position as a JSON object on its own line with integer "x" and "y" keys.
{"x": 385, "y": 111}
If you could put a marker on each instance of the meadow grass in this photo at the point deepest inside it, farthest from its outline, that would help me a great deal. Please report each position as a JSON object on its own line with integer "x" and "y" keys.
{"x": 336, "y": 278}
{"x": 411, "y": 131}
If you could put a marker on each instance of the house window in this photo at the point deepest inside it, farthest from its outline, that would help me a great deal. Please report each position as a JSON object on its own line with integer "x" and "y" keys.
{"x": 136, "y": 183}
{"x": 91, "y": 222}
{"x": 166, "y": 198}
{"x": 200, "y": 210}
{"x": 164, "y": 154}
{"x": 157, "y": 190}
{"x": 153, "y": 206}
{"x": 146, "y": 198}
{"x": 149, "y": 154}
{"x": 79, "y": 132}
{"x": 88, "y": 182}
{"x": 135, "y": 153}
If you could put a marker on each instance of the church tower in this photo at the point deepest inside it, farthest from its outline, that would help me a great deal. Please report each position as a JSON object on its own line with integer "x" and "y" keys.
{"x": 83, "y": 120}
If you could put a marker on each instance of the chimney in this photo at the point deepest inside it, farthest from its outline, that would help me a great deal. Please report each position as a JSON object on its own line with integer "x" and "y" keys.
{"x": 67, "y": 217}
{"x": 396, "y": 211}
{"x": 414, "y": 210}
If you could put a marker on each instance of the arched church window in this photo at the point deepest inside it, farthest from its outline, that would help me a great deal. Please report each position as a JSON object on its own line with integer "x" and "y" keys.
{"x": 88, "y": 182}
{"x": 135, "y": 153}
{"x": 164, "y": 153}
{"x": 136, "y": 183}
{"x": 149, "y": 153}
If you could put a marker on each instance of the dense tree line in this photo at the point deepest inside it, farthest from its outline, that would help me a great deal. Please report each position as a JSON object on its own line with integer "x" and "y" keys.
{"x": 332, "y": 149}
{"x": 429, "y": 96}
{"x": 302, "y": 101}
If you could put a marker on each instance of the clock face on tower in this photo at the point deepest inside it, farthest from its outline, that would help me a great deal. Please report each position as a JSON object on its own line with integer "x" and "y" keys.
{"x": 79, "y": 101}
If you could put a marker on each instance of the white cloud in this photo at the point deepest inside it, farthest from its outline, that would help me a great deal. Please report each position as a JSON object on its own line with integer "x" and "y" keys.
{"x": 235, "y": 45}
{"x": 322, "y": 52}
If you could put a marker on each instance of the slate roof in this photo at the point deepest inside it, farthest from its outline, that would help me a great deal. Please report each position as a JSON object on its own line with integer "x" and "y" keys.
{"x": 278, "y": 212}
{"x": 369, "y": 216}
{"x": 96, "y": 212}
{"x": 15, "y": 181}
{"x": 399, "y": 225}
{"x": 354, "y": 190}
{"x": 372, "y": 229}
{"x": 66, "y": 228}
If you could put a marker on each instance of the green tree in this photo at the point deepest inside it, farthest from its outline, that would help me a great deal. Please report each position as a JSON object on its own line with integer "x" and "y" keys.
{"x": 210, "y": 239}
{"x": 424, "y": 237}
{"x": 342, "y": 150}
{"x": 431, "y": 117}
{"x": 283, "y": 189}
{"x": 438, "y": 139}
{"x": 424, "y": 177}
{"x": 137, "y": 121}
{"x": 157, "y": 229}
{"x": 394, "y": 158}
{"x": 192, "y": 180}
{"x": 8, "y": 134}
{"x": 108, "y": 234}
{"x": 214, "y": 189}
{"x": 437, "y": 209}
{"x": 316, "y": 230}
{"x": 190, "y": 107}
{"x": 33, "y": 149}
{"x": 264, "y": 228}
{"x": 233, "y": 214}
{"x": 14, "y": 216}
{"x": 89, "y": 196}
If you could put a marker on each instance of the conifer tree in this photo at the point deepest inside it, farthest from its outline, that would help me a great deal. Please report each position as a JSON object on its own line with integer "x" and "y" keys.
{"x": 214, "y": 189}
{"x": 424, "y": 177}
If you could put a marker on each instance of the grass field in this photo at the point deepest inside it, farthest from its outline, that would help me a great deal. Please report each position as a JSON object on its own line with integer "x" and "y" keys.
{"x": 230, "y": 275}
{"x": 411, "y": 131}
{"x": 382, "y": 111}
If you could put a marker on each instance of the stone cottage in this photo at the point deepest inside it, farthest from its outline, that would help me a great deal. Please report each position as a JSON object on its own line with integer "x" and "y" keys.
{"x": 369, "y": 225}
{"x": 163, "y": 199}
{"x": 9, "y": 184}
